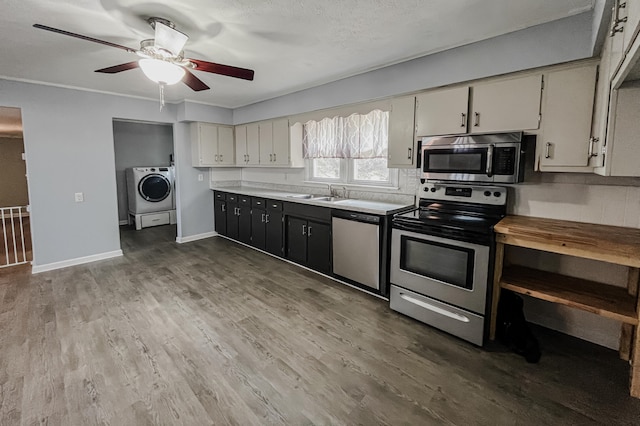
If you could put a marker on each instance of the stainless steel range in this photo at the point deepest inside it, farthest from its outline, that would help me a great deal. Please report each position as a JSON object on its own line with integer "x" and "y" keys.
{"x": 442, "y": 257}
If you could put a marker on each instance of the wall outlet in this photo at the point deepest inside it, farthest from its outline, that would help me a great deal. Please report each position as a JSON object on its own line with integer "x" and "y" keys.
{"x": 200, "y": 177}
{"x": 79, "y": 197}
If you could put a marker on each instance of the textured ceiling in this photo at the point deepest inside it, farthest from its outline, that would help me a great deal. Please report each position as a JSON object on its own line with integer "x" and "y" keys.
{"x": 291, "y": 44}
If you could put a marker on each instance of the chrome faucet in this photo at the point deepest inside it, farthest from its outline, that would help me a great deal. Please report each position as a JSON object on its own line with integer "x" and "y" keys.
{"x": 334, "y": 192}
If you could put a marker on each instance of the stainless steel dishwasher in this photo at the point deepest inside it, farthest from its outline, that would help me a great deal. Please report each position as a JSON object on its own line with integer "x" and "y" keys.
{"x": 356, "y": 247}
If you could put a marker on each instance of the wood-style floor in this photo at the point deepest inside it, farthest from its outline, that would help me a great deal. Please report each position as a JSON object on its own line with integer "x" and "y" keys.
{"x": 211, "y": 332}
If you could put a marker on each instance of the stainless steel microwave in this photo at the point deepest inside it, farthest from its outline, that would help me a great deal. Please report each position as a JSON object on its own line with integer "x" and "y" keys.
{"x": 496, "y": 158}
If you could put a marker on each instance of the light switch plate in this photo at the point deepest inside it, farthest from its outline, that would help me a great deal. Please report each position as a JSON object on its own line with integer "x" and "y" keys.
{"x": 200, "y": 177}
{"x": 79, "y": 197}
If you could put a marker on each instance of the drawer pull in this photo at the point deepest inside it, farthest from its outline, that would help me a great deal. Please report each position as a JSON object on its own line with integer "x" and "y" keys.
{"x": 434, "y": 308}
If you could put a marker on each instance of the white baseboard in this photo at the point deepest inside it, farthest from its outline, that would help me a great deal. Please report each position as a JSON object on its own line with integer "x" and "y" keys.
{"x": 181, "y": 240}
{"x": 124, "y": 222}
{"x": 35, "y": 269}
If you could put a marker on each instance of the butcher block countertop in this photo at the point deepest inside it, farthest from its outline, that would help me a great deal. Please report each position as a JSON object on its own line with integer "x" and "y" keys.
{"x": 612, "y": 244}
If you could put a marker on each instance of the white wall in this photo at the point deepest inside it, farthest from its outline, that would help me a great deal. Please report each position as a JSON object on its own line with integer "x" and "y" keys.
{"x": 68, "y": 137}
{"x": 138, "y": 145}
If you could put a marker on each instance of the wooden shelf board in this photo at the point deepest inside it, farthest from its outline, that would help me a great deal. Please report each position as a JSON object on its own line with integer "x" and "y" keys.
{"x": 606, "y": 243}
{"x": 601, "y": 299}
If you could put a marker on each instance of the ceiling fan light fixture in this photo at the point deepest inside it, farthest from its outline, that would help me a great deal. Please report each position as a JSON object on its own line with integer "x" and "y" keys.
{"x": 160, "y": 71}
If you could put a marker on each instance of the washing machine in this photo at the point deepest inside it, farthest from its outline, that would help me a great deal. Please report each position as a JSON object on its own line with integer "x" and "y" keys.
{"x": 150, "y": 192}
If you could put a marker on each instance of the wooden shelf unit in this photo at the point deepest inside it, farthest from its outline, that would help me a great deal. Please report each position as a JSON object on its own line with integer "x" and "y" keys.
{"x": 601, "y": 299}
{"x": 604, "y": 243}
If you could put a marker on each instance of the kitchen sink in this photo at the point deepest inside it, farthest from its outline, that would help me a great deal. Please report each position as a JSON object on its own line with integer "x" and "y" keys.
{"x": 302, "y": 196}
{"x": 328, "y": 199}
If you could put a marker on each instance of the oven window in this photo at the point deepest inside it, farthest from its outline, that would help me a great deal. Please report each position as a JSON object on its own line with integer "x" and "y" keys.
{"x": 457, "y": 161}
{"x": 450, "y": 264}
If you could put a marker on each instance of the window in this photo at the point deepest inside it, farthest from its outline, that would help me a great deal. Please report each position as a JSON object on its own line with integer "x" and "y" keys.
{"x": 351, "y": 150}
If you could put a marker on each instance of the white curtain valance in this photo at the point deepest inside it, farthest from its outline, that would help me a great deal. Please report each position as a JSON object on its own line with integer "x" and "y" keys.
{"x": 355, "y": 136}
{"x": 341, "y": 111}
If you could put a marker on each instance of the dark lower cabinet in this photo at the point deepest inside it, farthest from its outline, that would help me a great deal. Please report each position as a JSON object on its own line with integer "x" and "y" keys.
{"x": 244, "y": 220}
{"x": 275, "y": 231}
{"x": 260, "y": 222}
{"x": 258, "y": 231}
{"x": 237, "y": 220}
{"x": 220, "y": 213}
{"x": 297, "y": 239}
{"x": 319, "y": 246}
{"x": 309, "y": 243}
{"x": 266, "y": 225}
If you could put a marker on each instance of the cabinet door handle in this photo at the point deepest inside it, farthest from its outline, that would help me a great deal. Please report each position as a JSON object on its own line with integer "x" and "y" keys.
{"x": 477, "y": 122}
{"x": 547, "y": 150}
{"x": 271, "y": 157}
{"x": 616, "y": 18}
{"x": 309, "y": 232}
{"x": 263, "y": 221}
{"x": 409, "y": 153}
{"x": 216, "y": 158}
{"x": 223, "y": 207}
{"x": 304, "y": 229}
{"x": 266, "y": 218}
{"x": 592, "y": 143}
{"x": 274, "y": 157}
{"x": 238, "y": 211}
{"x": 221, "y": 157}
{"x": 463, "y": 123}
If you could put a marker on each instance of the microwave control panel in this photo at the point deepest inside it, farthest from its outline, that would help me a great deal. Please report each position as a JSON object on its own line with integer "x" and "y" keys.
{"x": 504, "y": 160}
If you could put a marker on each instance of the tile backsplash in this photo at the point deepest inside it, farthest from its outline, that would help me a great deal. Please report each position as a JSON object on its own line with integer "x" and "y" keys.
{"x": 578, "y": 197}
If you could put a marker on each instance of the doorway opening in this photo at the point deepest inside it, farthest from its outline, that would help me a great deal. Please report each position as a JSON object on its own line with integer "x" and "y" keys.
{"x": 145, "y": 182}
{"x": 15, "y": 220}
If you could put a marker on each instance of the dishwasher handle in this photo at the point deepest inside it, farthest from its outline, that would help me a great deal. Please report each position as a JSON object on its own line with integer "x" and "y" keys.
{"x": 360, "y": 217}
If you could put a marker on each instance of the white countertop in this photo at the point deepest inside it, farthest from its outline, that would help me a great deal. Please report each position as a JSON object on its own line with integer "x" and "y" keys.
{"x": 362, "y": 206}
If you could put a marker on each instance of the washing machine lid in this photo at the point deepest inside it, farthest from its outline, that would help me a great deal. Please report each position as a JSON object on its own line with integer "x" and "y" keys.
{"x": 154, "y": 187}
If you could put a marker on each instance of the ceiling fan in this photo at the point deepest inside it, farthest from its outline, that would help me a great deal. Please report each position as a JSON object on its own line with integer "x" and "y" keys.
{"x": 162, "y": 58}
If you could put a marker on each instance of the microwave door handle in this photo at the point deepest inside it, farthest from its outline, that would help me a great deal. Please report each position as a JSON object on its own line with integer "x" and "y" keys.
{"x": 490, "y": 160}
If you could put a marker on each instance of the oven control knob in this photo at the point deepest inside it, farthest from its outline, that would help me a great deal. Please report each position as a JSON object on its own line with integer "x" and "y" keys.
{"x": 433, "y": 189}
{"x": 496, "y": 194}
{"x": 487, "y": 193}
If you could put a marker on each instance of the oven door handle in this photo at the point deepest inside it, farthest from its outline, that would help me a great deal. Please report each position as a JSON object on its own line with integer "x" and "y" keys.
{"x": 434, "y": 308}
{"x": 490, "y": 160}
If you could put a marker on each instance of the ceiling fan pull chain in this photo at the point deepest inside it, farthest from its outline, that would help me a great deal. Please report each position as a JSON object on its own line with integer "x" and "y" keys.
{"x": 161, "y": 95}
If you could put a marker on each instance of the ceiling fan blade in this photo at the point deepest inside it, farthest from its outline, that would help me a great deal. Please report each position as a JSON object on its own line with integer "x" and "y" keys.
{"x": 227, "y": 70}
{"x": 83, "y": 37}
{"x": 119, "y": 68}
{"x": 193, "y": 82}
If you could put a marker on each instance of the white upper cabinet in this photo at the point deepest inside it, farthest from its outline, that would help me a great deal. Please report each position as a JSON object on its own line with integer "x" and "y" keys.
{"x": 212, "y": 145}
{"x": 241, "y": 144}
{"x": 269, "y": 143}
{"x": 226, "y": 148}
{"x": 402, "y": 131}
{"x": 266, "y": 142}
{"x": 506, "y": 105}
{"x": 567, "y": 112}
{"x": 442, "y": 112}
{"x": 623, "y": 151}
{"x": 281, "y": 142}
{"x": 247, "y": 145}
{"x": 632, "y": 25}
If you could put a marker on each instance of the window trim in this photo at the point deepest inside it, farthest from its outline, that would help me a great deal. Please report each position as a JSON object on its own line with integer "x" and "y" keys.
{"x": 347, "y": 176}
